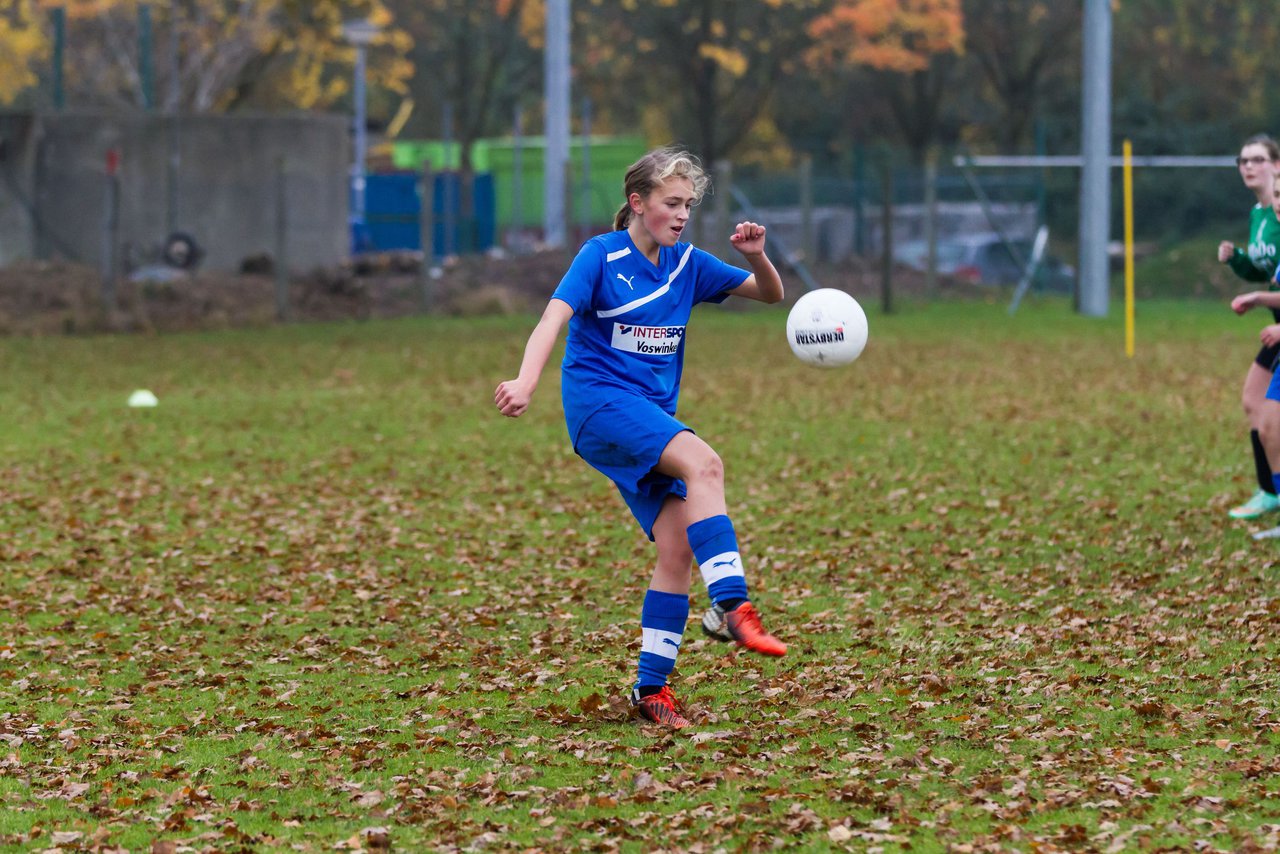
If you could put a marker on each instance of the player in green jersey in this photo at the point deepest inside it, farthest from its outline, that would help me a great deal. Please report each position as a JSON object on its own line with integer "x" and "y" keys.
{"x": 1259, "y": 163}
{"x": 1269, "y": 428}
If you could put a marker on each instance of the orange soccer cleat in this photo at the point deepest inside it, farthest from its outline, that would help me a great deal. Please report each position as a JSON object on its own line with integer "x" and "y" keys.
{"x": 743, "y": 625}
{"x": 660, "y": 708}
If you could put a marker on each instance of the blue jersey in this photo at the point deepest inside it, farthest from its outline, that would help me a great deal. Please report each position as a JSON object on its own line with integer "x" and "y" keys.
{"x": 626, "y": 335}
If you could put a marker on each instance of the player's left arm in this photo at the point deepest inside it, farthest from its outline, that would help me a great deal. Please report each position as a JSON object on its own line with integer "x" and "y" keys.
{"x": 1255, "y": 299}
{"x": 764, "y": 284}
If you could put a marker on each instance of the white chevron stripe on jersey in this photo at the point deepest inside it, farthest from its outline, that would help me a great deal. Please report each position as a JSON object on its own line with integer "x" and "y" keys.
{"x": 636, "y": 303}
{"x": 621, "y": 253}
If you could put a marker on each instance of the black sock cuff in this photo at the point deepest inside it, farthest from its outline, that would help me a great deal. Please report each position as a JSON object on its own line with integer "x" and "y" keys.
{"x": 1265, "y": 482}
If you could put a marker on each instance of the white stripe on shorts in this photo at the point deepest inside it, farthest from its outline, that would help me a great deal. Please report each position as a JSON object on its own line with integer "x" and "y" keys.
{"x": 721, "y": 566}
{"x": 658, "y": 642}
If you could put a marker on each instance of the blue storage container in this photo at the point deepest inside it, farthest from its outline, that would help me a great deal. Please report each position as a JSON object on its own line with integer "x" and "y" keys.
{"x": 393, "y": 213}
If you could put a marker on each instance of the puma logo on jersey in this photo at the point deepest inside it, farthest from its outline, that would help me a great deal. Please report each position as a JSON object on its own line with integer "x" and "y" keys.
{"x": 628, "y": 281}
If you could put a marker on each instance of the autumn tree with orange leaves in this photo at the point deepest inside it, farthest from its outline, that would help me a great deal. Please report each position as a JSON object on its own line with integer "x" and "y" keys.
{"x": 888, "y": 35}
{"x": 22, "y": 46}
{"x": 264, "y": 54}
{"x": 703, "y": 72}
{"x": 909, "y": 48}
{"x": 480, "y": 58}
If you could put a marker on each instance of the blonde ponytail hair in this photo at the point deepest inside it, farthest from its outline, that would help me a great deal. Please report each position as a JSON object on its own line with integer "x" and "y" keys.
{"x": 649, "y": 172}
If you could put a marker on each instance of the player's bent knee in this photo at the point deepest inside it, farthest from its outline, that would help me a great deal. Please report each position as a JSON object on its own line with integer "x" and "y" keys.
{"x": 710, "y": 468}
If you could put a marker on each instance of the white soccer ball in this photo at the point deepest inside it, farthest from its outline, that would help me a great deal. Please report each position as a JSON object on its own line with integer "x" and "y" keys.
{"x": 827, "y": 328}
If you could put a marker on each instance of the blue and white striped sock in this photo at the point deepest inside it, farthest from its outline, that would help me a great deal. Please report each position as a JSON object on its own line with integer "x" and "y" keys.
{"x": 662, "y": 621}
{"x": 715, "y": 547}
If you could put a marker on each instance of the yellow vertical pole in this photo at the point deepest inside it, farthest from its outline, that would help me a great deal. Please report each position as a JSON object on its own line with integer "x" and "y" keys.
{"x": 1128, "y": 249}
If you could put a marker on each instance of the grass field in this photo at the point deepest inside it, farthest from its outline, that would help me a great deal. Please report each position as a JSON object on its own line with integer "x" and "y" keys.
{"x": 324, "y": 597}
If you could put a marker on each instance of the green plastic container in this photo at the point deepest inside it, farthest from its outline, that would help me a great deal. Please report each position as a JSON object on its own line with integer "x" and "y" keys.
{"x": 409, "y": 154}
{"x": 610, "y": 157}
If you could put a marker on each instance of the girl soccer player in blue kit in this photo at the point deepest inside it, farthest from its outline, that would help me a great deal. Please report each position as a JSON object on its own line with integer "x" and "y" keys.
{"x": 627, "y": 298}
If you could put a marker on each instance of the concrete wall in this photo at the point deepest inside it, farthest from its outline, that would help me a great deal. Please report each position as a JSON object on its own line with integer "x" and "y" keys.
{"x": 224, "y": 194}
{"x": 17, "y": 185}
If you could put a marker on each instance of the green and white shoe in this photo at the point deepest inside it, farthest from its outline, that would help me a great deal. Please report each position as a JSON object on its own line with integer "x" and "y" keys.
{"x": 1260, "y": 504}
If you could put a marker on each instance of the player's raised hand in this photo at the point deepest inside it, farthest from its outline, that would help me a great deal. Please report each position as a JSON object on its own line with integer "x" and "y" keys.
{"x": 512, "y": 398}
{"x": 1225, "y": 250}
{"x": 748, "y": 238}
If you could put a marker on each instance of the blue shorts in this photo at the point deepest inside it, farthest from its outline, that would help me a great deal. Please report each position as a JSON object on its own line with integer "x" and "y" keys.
{"x": 624, "y": 440}
{"x": 1273, "y": 390}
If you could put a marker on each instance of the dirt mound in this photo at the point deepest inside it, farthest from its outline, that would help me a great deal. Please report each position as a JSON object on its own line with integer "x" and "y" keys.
{"x": 55, "y": 298}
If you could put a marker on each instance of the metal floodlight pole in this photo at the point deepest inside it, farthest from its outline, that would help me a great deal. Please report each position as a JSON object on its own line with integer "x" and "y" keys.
{"x": 146, "y": 65}
{"x": 556, "y": 154}
{"x": 361, "y": 34}
{"x": 174, "y": 160}
{"x": 175, "y": 64}
{"x": 517, "y": 177}
{"x": 58, "y": 14}
{"x": 1095, "y": 177}
{"x": 452, "y": 183}
{"x": 361, "y": 143}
